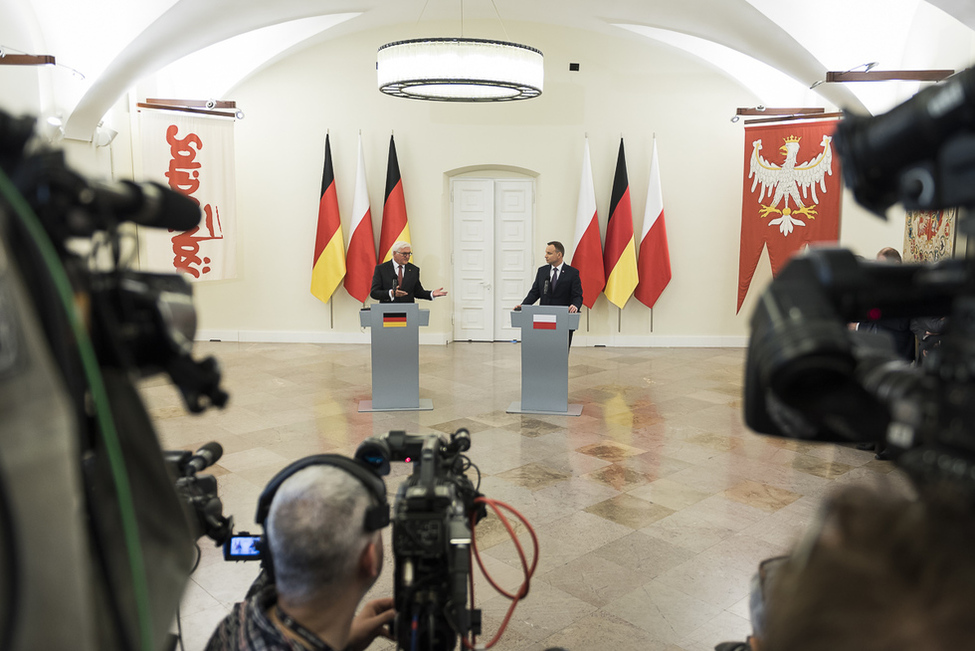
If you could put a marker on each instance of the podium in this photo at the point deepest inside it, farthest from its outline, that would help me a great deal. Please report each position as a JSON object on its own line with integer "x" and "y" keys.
{"x": 545, "y": 360}
{"x": 395, "y": 344}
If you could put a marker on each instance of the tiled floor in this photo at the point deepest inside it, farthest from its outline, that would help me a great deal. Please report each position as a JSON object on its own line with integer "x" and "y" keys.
{"x": 652, "y": 509}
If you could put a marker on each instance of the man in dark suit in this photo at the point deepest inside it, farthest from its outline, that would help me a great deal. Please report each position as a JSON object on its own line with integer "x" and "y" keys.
{"x": 398, "y": 281}
{"x": 556, "y": 283}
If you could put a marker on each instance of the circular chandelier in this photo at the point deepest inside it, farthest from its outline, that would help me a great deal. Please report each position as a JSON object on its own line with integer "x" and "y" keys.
{"x": 460, "y": 70}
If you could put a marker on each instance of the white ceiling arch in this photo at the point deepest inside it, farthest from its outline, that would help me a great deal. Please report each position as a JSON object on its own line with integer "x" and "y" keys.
{"x": 138, "y": 39}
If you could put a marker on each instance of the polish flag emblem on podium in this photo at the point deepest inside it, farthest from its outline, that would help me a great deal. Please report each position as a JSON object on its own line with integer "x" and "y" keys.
{"x": 543, "y": 321}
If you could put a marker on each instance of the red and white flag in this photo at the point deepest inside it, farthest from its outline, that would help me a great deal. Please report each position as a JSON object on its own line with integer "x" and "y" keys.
{"x": 544, "y": 322}
{"x": 653, "y": 263}
{"x": 587, "y": 249}
{"x": 360, "y": 261}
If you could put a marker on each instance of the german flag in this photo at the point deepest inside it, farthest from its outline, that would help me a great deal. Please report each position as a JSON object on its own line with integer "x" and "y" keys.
{"x": 394, "y": 320}
{"x": 619, "y": 255}
{"x": 395, "y": 226}
{"x": 329, "y": 264}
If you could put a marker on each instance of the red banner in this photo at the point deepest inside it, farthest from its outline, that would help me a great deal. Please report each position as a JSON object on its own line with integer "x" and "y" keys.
{"x": 790, "y": 195}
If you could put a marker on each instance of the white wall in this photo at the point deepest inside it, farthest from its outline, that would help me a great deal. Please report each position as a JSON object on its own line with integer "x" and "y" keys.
{"x": 626, "y": 86}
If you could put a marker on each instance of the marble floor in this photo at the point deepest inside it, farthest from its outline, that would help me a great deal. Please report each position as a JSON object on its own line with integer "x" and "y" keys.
{"x": 652, "y": 508}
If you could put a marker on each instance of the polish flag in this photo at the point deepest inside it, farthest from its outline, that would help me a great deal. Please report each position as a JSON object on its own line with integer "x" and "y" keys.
{"x": 587, "y": 250}
{"x": 654, "y": 261}
{"x": 543, "y": 321}
{"x": 361, "y": 258}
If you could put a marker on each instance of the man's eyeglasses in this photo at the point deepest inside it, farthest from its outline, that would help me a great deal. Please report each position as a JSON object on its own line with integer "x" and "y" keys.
{"x": 406, "y": 253}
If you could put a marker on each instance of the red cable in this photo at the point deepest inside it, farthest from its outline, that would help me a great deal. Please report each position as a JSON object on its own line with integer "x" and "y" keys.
{"x": 529, "y": 572}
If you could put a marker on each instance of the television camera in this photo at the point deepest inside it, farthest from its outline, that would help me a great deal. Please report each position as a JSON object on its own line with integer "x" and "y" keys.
{"x": 95, "y": 540}
{"x": 808, "y": 376}
{"x": 199, "y": 492}
{"x": 433, "y": 519}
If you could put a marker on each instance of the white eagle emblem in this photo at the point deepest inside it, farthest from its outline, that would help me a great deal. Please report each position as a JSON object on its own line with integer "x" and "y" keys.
{"x": 786, "y": 181}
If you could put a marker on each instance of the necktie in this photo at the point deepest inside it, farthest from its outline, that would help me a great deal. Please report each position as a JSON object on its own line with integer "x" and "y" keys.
{"x": 399, "y": 275}
{"x": 555, "y": 277}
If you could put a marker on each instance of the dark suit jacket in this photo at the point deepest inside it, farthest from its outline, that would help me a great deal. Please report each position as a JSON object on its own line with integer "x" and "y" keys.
{"x": 384, "y": 279}
{"x": 568, "y": 291}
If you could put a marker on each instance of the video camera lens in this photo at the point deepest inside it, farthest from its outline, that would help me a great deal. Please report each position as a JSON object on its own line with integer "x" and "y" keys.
{"x": 894, "y": 156}
{"x": 375, "y": 453}
{"x": 461, "y": 440}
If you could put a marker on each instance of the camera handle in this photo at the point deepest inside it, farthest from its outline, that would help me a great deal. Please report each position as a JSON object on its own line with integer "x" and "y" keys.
{"x": 198, "y": 381}
{"x": 428, "y": 458}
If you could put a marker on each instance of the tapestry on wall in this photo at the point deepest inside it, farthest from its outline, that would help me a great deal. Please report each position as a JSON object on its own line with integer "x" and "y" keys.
{"x": 929, "y": 235}
{"x": 790, "y": 194}
{"x": 193, "y": 155}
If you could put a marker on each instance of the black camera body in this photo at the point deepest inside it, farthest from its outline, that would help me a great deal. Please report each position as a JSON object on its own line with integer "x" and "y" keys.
{"x": 921, "y": 153}
{"x": 76, "y": 329}
{"x": 433, "y": 516}
{"x": 198, "y": 492}
{"x": 808, "y": 376}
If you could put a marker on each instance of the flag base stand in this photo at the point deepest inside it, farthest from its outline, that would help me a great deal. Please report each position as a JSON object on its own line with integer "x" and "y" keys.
{"x": 425, "y": 405}
{"x": 571, "y": 410}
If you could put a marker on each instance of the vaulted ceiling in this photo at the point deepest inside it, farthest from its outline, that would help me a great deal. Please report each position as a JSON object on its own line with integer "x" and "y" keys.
{"x": 113, "y": 44}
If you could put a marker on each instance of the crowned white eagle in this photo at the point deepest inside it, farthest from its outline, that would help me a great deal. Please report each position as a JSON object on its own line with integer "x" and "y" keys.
{"x": 786, "y": 181}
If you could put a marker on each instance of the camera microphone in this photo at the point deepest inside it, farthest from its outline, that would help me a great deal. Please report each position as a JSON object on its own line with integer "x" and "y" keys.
{"x": 148, "y": 204}
{"x": 205, "y": 457}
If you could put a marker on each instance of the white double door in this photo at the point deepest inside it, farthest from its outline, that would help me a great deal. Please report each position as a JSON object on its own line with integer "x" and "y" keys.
{"x": 493, "y": 221}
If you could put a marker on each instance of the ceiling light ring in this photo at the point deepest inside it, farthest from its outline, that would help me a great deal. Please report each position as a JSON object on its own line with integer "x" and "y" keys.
{"x": 452, "y": 69}
{"x": 400, "y": 89}
{"x": 460, "y": 39}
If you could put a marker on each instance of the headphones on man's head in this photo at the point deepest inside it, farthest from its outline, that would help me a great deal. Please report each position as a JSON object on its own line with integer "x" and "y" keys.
{"x": 377, "y": 515}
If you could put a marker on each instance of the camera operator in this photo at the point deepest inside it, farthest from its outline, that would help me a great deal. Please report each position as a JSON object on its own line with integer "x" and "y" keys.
{"x": 879, "y": 572}
{"x": 325, "y": 551}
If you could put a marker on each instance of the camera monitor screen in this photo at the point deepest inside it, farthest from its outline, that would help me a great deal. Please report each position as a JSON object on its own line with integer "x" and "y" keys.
{"x": 242, "y": 547}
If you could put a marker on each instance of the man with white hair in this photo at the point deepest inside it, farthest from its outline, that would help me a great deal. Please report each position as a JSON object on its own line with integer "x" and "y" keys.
{"x": 323, "y": 541}
{"x": 398, "y": 280}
